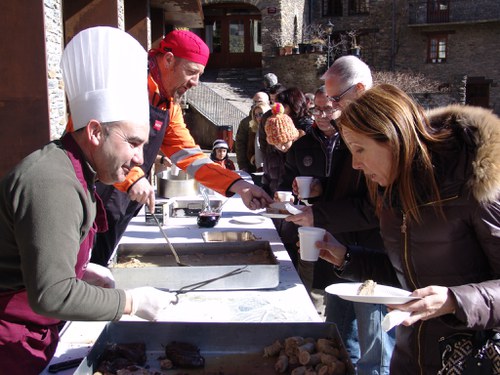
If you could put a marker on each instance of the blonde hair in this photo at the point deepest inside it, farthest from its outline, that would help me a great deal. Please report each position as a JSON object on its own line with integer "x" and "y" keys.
{"x": 254, "y": 123}
{"x": 387, "y": 115}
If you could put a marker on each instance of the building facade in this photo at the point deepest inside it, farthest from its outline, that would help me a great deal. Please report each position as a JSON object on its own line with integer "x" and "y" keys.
{"x": 454, "y": 42}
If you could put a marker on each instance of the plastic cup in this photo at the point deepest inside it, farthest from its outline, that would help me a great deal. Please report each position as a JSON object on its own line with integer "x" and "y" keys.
{"x": 304, "y": 186}
{"x": 308, "y": 237}
{"x": 285, "y": 196}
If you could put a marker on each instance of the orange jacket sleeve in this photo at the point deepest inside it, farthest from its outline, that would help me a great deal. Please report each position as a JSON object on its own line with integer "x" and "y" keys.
{"x": 179, "y": 145}
{"x": 181, "y": 148}
{"x": 132, "y": 177}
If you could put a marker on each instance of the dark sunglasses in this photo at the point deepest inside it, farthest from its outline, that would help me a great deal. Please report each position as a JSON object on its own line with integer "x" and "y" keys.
{"x": 337, "y": 98}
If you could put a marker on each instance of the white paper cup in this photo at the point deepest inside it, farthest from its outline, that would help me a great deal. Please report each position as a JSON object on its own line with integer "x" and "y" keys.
{"x": 304, "y": 186}
{"x": 285, "y": 196}
{"x": 308, "y": 237}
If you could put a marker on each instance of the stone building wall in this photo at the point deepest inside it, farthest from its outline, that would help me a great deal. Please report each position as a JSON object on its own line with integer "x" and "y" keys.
{"x": 54, "y": 39}
{"x": 389, "y": 42}
{"x": 303, "y": 71}
{"x": 54, "y": 48}
{"x": 473, "y": 51}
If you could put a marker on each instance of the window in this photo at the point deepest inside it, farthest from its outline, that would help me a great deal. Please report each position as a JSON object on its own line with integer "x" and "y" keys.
{"x": 332, "y": 8}
{"x": 437, "y": 49}
{"x": 438, "y": 11}
{"x": 236, "y": 36}
{"x": 358, "y": 7}
{"x": 213, "y": 36}
{"x": 255, "y": 30}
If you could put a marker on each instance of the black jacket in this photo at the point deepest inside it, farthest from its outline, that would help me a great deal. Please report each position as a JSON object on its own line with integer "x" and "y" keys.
{"x": 344, "y": 209}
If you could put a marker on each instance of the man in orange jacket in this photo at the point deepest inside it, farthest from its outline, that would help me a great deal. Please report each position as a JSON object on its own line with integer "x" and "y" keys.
{"x": 174, "y": 67}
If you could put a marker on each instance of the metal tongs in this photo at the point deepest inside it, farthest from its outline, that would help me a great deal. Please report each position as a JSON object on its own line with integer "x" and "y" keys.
{"x": 176, "y": 256}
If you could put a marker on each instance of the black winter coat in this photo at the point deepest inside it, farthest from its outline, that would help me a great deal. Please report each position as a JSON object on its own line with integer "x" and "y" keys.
{"x": 344, "y": 210}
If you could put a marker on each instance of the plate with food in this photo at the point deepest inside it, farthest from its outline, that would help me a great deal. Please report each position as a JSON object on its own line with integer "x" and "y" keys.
{"x": 278, "y": 210}
{"x": 370, "y": 292}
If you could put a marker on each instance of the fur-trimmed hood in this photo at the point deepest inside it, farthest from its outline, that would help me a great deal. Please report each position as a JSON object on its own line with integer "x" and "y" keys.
{"x": 485, "y": 180}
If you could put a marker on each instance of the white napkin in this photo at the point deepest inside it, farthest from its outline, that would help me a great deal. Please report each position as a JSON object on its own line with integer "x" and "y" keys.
{"x": 293, "y": 210}
{"x": 394, "y": 318}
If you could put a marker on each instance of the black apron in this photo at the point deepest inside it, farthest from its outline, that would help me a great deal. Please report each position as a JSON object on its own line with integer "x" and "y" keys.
{"x": 119, "y": 208}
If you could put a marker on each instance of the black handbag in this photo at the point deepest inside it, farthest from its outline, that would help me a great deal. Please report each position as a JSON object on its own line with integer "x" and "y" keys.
{"x": 470, "y": 354}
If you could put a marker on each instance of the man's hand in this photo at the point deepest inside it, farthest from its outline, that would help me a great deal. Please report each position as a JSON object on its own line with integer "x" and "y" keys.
{"x": 253, "y": 196}
{"x": 305, "y": 219}
{"x": 316, "y": 188}
{"x": 98, "y": 275}
{"x": 332, "y": 250}
{"x": 143, "y": 192}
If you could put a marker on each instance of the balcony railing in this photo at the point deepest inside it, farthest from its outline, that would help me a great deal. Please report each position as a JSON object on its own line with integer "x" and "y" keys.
{"x": 214, "y": 107}
{"x": 453, "y": 11}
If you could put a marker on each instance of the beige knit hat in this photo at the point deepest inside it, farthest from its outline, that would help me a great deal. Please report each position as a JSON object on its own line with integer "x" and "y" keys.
{"x": 280, "y": 127}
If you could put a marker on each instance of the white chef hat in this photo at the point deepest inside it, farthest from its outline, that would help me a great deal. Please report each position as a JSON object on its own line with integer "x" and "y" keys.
{"x": 105, "y": 77}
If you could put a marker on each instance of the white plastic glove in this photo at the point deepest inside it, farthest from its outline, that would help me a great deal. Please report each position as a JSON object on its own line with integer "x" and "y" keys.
{"x": 98, "y": 275}
{"x": 148, "y": 302}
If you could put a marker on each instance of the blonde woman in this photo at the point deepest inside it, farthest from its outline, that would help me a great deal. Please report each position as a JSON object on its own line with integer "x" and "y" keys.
{"x": 254, "y": 153}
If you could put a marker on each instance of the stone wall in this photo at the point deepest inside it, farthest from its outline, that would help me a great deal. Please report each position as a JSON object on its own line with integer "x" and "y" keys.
{"x": 54, "y": 48}
{"x": 303, "y": 71}
{"x": 54, "y": 39}
{"x": 390, "y": 42}
{"x": 473, "y": 51}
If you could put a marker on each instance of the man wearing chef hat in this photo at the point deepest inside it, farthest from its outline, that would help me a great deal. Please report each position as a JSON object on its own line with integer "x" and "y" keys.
{"x": 49, "y": 212}
{"x": 174, "y": 67}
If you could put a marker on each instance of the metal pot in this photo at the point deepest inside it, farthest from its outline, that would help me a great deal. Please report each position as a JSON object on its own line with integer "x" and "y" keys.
{"x": 179, "y": 185}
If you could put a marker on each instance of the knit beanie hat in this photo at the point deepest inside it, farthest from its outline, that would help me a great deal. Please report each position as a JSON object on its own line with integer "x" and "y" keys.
{"x": 270, "y": 79}
{"x": 220, "y": 143}
{"x": 280, "y": 127}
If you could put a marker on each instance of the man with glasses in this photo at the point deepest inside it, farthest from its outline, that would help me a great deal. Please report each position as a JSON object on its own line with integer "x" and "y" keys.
{"x": 309, "y": 156}
{"x": 344, "y": 209}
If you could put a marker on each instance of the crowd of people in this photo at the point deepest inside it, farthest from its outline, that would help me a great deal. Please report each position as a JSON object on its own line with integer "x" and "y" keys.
{"x": 409, "y": 198}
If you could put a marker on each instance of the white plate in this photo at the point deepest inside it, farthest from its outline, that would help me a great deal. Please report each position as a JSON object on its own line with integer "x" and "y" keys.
{"x": 255, "y": 219}
{"x": 386, "y": 295}
{"x": 278, "y": 206}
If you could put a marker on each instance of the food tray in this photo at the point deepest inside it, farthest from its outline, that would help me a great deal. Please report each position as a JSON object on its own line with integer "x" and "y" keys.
{"x": 228, "y": 348}
{"x": 207, "y": 260}
{"x": 228, "y": 236}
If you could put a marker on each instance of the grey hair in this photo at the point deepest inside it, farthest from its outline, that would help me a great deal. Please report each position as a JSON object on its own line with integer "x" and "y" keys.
{"x": 351, "y": 71}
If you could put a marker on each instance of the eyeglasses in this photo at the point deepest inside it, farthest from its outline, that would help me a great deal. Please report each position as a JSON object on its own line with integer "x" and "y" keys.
{"x": 258, "y": 114}
{"x": 337, "y": 98}
{"x": 323, "y": 112}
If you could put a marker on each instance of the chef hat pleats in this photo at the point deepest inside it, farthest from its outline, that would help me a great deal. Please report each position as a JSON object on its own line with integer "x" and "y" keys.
{"x": 105, "y": 77}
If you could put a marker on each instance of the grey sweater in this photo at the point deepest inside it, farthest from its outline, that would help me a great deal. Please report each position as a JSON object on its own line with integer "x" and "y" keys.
{"x": 45, "y": 213}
